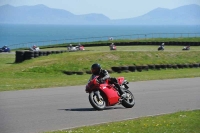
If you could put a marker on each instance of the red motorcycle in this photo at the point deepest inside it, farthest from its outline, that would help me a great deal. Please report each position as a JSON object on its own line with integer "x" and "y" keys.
{"x": 113, "y": 47}
{"x": 105, "y": 94}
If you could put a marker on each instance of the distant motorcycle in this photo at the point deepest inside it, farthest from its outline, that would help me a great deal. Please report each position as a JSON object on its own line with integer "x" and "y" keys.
{"x": 4, "y": 49}
{"x": 105, "y": 94}
{"x": 80, "y": 47}
{"x": 186, "y": 48}
{"x": 34, "y": 48}
{"x": 160, "y": 48}
{"x": 76, "y": 48}
{"x": 72, "y": 48}
{"x": 113, "y": 47}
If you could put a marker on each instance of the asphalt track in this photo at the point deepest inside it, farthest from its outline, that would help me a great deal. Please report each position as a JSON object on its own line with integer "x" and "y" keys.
{"x": 39, "y": 110}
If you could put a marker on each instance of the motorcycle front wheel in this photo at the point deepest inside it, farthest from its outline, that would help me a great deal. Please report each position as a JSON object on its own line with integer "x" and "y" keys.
{"x": 97, "y": 103}
{"x": 129, "y": 101}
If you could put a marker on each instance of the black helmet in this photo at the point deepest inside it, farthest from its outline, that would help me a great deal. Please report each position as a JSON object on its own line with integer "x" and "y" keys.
{"x": 95, "y": 68}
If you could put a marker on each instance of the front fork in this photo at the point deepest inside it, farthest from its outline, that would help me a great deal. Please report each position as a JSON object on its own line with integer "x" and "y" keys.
{"x": 125, "y": 84}
{"x": 97, "y": 93}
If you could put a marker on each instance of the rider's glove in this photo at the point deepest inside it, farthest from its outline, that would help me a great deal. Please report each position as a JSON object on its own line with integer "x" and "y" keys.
{"x": 101, "y": 80}
{"x": 97, "y": 80}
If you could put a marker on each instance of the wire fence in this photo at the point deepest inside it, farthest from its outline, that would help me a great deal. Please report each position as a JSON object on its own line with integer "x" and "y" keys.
{"x": 104, "y": 38}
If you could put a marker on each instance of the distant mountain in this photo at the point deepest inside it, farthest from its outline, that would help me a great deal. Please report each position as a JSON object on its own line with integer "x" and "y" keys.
{"x": 41, "y": 14}
{"x": 184, "y": 15}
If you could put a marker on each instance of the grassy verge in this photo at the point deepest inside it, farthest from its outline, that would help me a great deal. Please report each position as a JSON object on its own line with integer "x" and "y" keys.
{"x": 180, "y": 39}
{"x": 31, "y": 80}
{"x": 180, "y": 122}
{"x": 47, "y": 71}
{"x": 132, "y": 48}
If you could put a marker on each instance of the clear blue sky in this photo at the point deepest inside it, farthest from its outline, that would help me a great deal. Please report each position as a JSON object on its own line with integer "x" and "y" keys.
{"x": 114, "y": 9}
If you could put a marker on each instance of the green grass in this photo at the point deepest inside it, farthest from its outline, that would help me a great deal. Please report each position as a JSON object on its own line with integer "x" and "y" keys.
{"x": 31, "y": 80}
{"x": 135, "y": 48}
{"x": 179, "y": 39}
{"x": 179, "y": 122}
{"x": 47, "y": 71}
{"x": 81, "y": 61}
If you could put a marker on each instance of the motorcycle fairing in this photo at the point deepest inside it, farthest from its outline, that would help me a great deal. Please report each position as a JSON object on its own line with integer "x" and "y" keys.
{"x": 111, "y": 95}
{"x": 120, "y": 80}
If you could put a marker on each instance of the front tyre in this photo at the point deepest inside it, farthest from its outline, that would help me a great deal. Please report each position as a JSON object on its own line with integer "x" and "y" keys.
{"x": 97, "y": 103}
{"x": 129, "y": 101}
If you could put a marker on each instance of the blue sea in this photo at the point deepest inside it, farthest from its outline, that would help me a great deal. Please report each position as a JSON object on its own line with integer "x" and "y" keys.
{"x": 17, "y": 36}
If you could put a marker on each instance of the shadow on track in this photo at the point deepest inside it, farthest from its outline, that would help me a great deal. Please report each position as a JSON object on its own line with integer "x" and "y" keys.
{"x": 91, "y": 109}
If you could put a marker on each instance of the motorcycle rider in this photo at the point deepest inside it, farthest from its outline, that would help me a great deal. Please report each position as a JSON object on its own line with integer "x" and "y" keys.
{"x": 162, "y": 45}
{"x": 70, "y": 45}
{"x": 79, "y": 46}
{"x": 34, "y": 48}
{"x": 112, "y": 46}
{"x": 187, "y": 47}
{"x": 4, "y": 49}
{"x": 104, "y": 75}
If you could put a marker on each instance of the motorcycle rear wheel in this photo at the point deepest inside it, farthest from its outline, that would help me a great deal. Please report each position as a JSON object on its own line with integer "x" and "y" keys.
{"x": 128, "y": 102}
{"x": 97, "y": 104}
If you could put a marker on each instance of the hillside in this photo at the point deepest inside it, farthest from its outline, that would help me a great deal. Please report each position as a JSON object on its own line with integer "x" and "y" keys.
{"x": 41, "y": 14}
{"x": 184, "y": 15}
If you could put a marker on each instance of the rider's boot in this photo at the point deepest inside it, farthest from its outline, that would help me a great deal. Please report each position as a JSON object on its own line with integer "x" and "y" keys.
{"x": 121, "y": 91}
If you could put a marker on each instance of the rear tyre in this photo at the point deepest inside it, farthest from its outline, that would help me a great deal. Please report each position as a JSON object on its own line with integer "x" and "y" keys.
{"x": 97, "y": 104}
{"x": 128, "y": 102}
